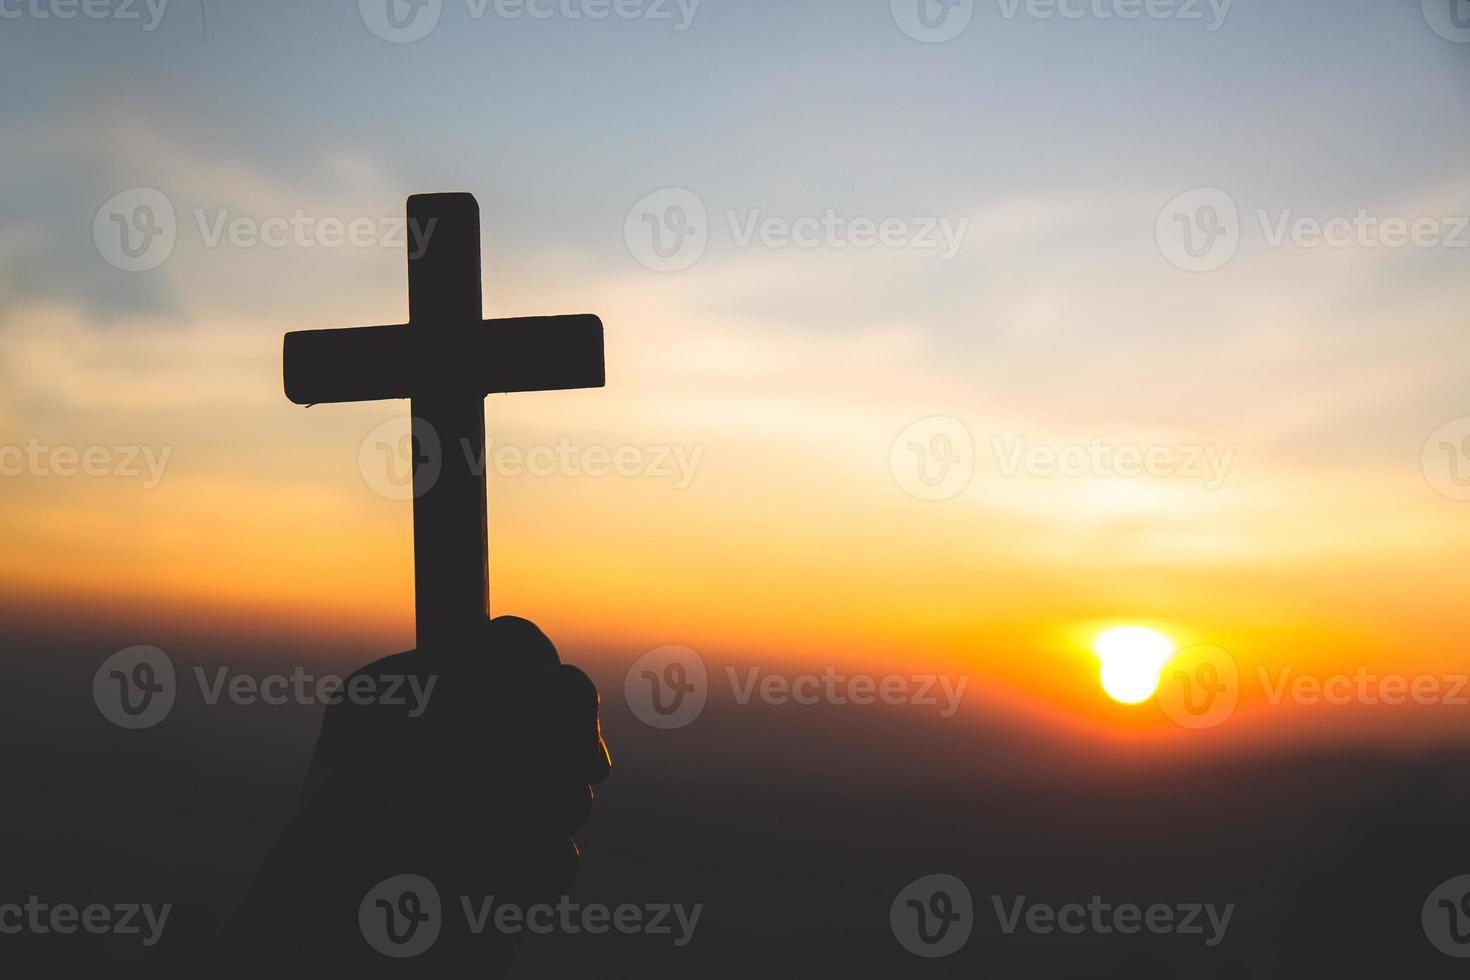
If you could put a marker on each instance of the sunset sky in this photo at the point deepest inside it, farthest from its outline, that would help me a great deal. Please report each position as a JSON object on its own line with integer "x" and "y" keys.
{"x": 781, "y": 375}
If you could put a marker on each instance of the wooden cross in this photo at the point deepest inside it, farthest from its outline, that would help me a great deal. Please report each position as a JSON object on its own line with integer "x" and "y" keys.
{"x": 446, "y": 359}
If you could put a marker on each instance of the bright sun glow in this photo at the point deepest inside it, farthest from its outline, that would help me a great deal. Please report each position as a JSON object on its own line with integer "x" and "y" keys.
{"x": 1132, "y": 657}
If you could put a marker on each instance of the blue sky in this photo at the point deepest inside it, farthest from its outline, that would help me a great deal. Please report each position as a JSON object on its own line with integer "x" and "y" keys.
{"x": 1069, "y": 133}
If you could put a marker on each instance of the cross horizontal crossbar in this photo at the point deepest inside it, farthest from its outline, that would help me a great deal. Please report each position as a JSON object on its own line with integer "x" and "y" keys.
{"x": 537, "y": 353}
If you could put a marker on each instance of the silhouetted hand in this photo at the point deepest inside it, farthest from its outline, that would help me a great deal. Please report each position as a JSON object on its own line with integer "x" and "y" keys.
{"x": 479, "y": 794}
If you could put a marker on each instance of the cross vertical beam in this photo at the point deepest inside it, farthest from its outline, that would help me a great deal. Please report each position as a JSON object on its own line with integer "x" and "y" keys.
{"x": 451, "y": 545}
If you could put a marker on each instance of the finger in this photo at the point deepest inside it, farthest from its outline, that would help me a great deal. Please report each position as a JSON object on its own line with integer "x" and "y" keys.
{"x": 579, "y": 807}
{"x": 580, "y": 723}
{"x": 516, "y": 644}
{"x": 560, "y": 806}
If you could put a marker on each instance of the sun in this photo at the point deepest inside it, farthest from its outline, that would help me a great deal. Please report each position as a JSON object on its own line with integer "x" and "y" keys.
{"x": 1132, "y": 657}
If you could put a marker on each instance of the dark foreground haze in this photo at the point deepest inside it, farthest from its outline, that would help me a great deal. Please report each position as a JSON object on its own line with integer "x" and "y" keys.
{"x": 795, "y": 830}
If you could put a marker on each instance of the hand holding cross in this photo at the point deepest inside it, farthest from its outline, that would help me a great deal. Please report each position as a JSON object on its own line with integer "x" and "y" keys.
{"x": 446, "y": 359}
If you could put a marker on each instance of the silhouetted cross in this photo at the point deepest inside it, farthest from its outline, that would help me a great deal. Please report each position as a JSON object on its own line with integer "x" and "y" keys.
{"x": 446, "y": 359}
